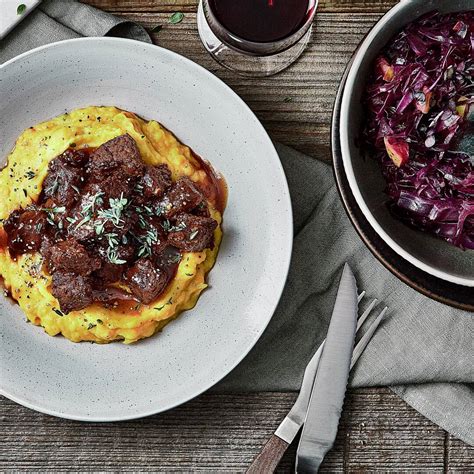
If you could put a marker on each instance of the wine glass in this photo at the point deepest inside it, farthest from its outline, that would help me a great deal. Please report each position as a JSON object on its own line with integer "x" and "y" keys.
{"x": 256, "y": 37}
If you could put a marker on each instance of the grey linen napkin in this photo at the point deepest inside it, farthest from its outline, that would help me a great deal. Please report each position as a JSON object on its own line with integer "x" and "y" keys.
{"x": 423, "y": 351}
{"x": 56, "y": 20}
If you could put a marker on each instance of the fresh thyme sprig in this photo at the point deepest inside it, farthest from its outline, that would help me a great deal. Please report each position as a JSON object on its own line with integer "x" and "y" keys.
{"x": 147, "y": 241}
{"x": 112, "y": 249}
{"x": 114, "y": 213}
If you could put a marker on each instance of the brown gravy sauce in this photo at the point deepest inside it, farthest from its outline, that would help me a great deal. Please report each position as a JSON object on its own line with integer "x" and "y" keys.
{"x": 216, "y": 188}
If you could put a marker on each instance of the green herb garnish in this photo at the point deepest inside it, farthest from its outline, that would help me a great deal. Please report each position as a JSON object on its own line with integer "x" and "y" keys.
{"x": 53, "y": 188}
{"x": 156, "y": 29}
{"x": 113, "y": 258}
{"x": 20, "y": 9}
{"x": 89, "y": 206}
{"x": 112, "y": 249}
{"x": 166, "y": 224}
{"x": 51, "y": 211}
{"x": 57, "y": 311}
{"x": 175, "y": 259}
{"x": 99, "y": 228}
{"x": 147, "y": 241}
{"x": 114, "y": 213}
{"x": 176, "y": 17}
{"x": 83, "y": 221}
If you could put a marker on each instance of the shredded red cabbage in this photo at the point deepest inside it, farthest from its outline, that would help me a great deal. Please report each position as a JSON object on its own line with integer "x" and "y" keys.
{"x": 419, "y": 97}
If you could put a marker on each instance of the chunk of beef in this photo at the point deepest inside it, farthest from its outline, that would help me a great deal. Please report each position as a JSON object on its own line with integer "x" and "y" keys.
{"x": 95, "y": 216}
{"x": 192, "y": 233}
{"x": 202, "y": 209}
{"x": 169, "y": 260}
{"x": 114, "y": 185}
{"x": 74, "y": 292}
{"x": 69, "y": 256}
{"x": 24, "y": 230}
{"x": 151, "y": 237}
{"x": 111, "y": 296}
{"x": 83, "y": 220}
{"x": 108, "y": 273}
{"x": 46, "y": 245}
{"x": 120, "y": 251}
{"x": 183, "y": 196}
{"x": 156, "y": 181}
{"x": 84, "y": 232}
{"x": 75, "y": 158}
{"x": 119, "y": 153}
{"x": 66, "y": 174}
{"x": 146, "y": 281}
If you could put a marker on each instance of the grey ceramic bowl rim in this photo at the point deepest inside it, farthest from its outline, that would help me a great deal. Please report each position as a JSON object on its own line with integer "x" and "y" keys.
{"x": 286, "y": 257}
{"x": 367, "y": 44}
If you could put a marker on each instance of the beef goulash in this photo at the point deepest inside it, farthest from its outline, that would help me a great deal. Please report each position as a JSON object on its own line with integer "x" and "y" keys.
{"x": 110, "y": 232}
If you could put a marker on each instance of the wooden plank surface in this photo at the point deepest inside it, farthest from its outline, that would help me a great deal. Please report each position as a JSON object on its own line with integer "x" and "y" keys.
{"x": 222, "y": 433}
{"x": 349, "y": 6}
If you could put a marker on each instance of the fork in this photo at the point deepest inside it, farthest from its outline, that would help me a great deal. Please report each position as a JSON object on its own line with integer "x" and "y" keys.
{"x": 270, "y": 455}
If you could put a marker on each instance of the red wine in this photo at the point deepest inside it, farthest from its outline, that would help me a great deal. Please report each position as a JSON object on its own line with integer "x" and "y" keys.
{"x": 261, "y": 21}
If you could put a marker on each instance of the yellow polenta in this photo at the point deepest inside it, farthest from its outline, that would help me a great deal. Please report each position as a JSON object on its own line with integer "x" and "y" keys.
{"x": 21, "y": 184}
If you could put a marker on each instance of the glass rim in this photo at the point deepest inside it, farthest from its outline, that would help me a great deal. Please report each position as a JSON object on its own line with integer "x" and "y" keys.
{"x": 259, "y": 47}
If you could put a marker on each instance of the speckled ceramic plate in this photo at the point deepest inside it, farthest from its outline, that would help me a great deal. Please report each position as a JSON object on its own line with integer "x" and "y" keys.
{"x": 117, "y": 382}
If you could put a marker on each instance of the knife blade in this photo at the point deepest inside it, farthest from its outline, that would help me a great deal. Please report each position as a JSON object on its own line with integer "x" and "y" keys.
{"x": 327, "y": 396}
{"x": 291, "y": 424}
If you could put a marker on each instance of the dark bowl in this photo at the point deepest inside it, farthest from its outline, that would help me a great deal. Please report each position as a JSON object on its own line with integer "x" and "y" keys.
{"x": 426, "y": 252}
{"x": 440, "y": 289}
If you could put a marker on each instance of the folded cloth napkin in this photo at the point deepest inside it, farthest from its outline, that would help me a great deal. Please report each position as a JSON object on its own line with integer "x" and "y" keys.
{"x": 423, "y": 350}
{"x": 56, "y": 20}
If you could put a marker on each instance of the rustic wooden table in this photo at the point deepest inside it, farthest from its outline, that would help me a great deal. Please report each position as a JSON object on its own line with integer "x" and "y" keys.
{"x": 378, "y": 432}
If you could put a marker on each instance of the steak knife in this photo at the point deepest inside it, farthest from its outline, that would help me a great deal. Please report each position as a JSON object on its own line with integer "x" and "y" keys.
{"x": 327, "y": 396}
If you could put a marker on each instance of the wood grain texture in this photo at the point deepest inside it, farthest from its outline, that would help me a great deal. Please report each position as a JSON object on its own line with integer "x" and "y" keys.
{"x": 349, "y": 6}
{"x": 268, "y": 459}
{"x": 223, "y": 433}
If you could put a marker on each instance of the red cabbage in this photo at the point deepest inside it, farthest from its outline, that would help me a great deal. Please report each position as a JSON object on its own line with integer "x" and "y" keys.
{"x": 419, "y": 104}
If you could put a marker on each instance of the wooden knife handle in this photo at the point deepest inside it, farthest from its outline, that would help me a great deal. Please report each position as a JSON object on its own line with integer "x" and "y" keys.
{"x": 269, "y": 457}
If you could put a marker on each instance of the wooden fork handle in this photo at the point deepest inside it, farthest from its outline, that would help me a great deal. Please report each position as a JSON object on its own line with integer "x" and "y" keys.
{"x": 270, "y": 456}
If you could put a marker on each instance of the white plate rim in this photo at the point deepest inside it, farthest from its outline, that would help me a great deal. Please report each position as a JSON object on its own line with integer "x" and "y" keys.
{"x": 287, "y": 237}
{"x": 346, "y": 158}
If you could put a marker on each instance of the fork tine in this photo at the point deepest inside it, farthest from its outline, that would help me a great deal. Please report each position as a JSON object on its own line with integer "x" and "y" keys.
{"x": 313, "y": 363}
{"x": 366, "y": 313}
{"x": 365, "y": 339}
{"x": 359, "y": 299}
